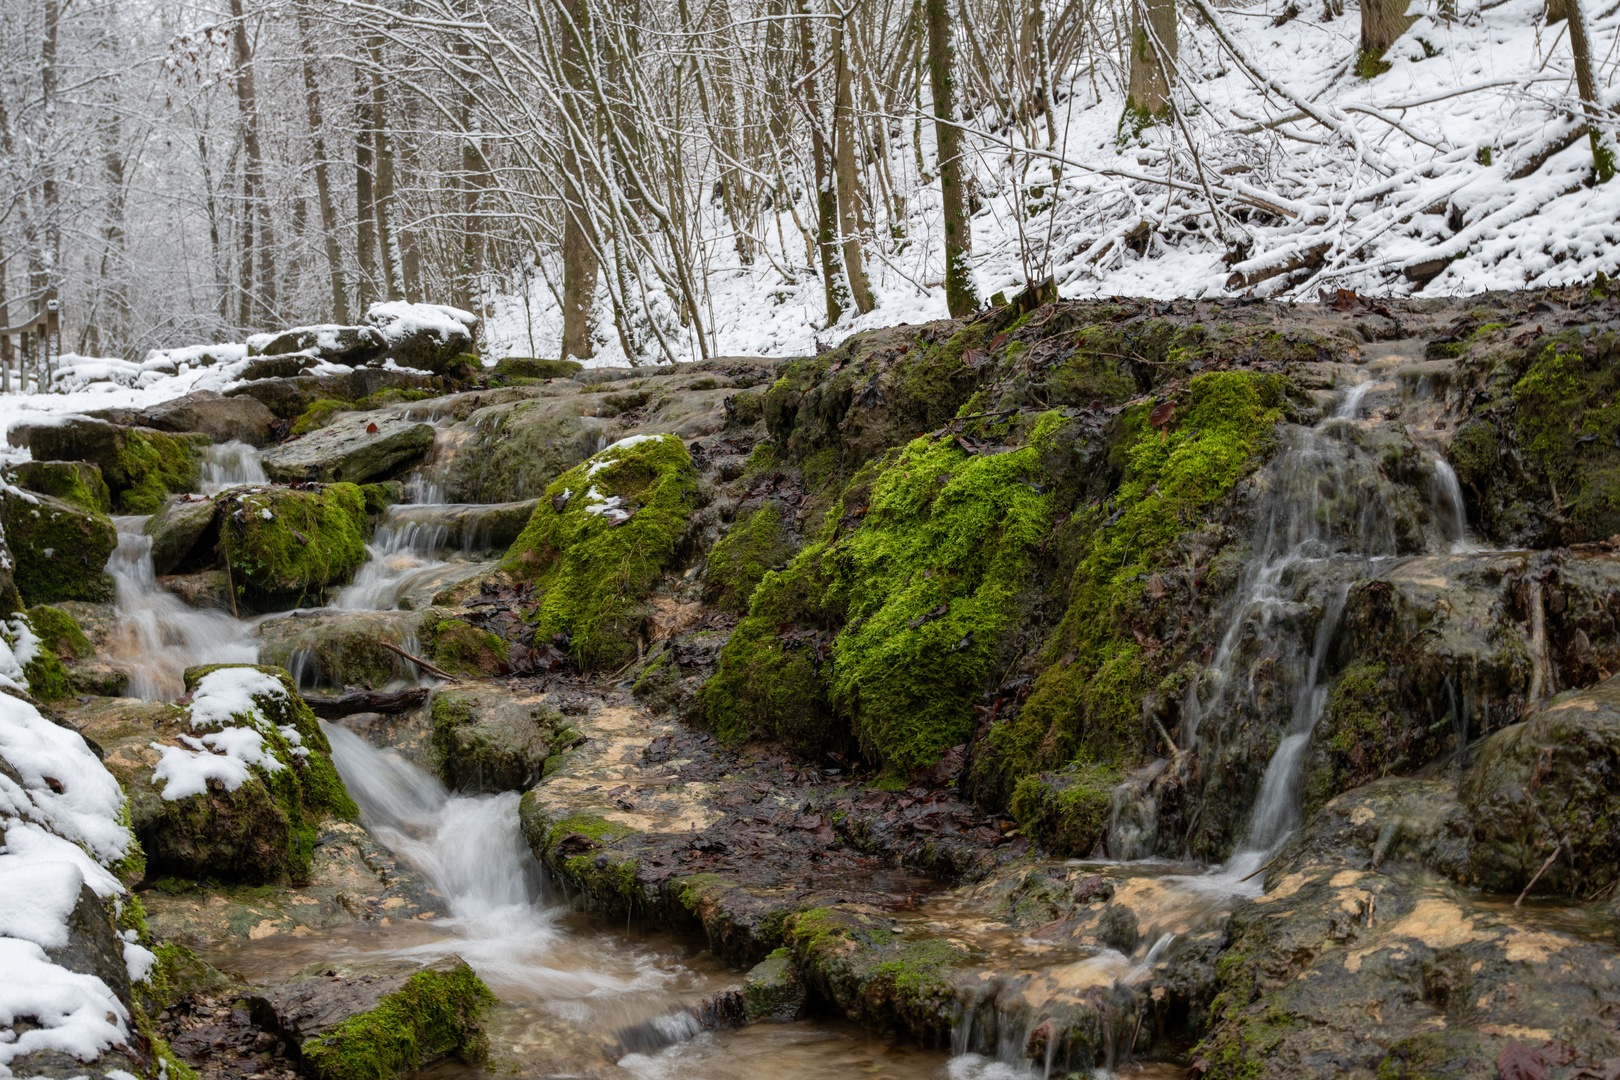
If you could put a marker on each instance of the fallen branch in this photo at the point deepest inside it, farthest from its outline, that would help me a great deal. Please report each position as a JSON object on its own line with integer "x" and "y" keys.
{"x": 418, "y": 661}
{"x": 365, "y": 701}
{"x": 1543, "y": 870}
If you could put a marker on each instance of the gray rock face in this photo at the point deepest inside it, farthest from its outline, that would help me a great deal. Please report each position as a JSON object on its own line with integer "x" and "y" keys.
{"x": 220, "y": 418}
{"x": 467, "y": 526}
{"x": 286, "y": 398}
{"x": 772, "y": 990}
{"x": 347, "y": 450}
{"x": 493, "y": 740}
{"x": 511, "y": 451}
{"x": 278, "y": 367}
{"x": 340, "y": 648}
{"x": 176, "y": 529}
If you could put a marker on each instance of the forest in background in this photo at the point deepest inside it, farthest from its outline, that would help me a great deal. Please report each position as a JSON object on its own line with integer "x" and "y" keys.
{"x": 650, "y": 180}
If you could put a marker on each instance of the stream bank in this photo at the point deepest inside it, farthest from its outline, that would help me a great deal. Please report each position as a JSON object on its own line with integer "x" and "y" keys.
{"x": 1085, "y": 686}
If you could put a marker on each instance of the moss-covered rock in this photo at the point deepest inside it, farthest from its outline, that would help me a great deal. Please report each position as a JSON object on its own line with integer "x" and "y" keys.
{"x": 1066, "y": 813}
{"x": 509, "y": 451}
{"x": 239, "y": 782}
{"x": 141, "y": 466}
{"x": 342, "y": 648}
{"x": 600, "y": 537}
{"x": 60, "y": 549}
{"x": 532, "y": 367}
{"x": 462, "y": 649}
{"x": 1549, "y": 785}
{"x": 318, "y": 414}
{"x": 487, "y": 742}
{"x": 77, "y": 482}
{"x": 292, "y": 544}
{"x": 379, "y": 1020}
{"x": 757, "y": 543}
{"x": 59, "y": 631}
{"x": 772, "y": 989}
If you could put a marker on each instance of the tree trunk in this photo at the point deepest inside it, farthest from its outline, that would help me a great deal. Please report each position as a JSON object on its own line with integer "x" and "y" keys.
{"x": 1153, "y": 57}
{"x": 473, "y": 181}
{"x": 580, "y": 261}
{"x": 833, "y": 281}
{"x": 365, "y": 208}
{"x": 48, "y": 258}
{"x": 256, "y": 202}
{"x": 323, "y": 180}
{"x": 960, "y": 295}
{"x": 114, "y": 256}
{"x": 383, "y": 187}
{"x": 1382, "y": 22}
{"x": 849, "y": 193}
{"x": 1580, "y": 43}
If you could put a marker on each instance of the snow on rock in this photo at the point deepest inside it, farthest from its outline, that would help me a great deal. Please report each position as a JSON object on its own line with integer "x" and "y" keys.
{"x": 61, "y": 818}
{"x": 398, "y": 320}
{"x": 224, "y": 702}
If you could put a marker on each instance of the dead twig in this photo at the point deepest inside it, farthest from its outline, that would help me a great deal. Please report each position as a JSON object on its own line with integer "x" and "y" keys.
{"x": 418, "y": 661}
{"x": 1543, "y": 870}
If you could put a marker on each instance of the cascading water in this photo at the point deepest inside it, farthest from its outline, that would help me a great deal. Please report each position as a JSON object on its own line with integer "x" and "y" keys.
{"x": 159, "y": 636}
{"x": 1448, "y": 505}
{"x": 228, "y": 465}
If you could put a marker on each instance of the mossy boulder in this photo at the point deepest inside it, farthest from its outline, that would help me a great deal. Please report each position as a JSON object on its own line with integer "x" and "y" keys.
{"x": 33, "y": 639}
{"x": 341, "y": 648}
{"x": 1066, "y": 813}
{"x": 757, "y": 543}
{"x": 489, "y": 741}
{"x": 294, "y": 544}
{"x": 599, "y": 539}
{"x": 772, "y": 989}
{"x": 533, "y": 367}
{"x": 378, "y": 1020}
{"x": 907, "y": 592}
{"x": 463, "y": 649}
{"x": 319, "y": 413}
{"x": 1549, "y": 787}
{"x": 141, "y": 466}
{"x": 60, "y": 549}
{"x": 176, "y": 530}
{"x": 77, "y": 482}
{"x": 356, "y": 449}
{"x": 232, "y": 785}
{"x": 59, "y": 631}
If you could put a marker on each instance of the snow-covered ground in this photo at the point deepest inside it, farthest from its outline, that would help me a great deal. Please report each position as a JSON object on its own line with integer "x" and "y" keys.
{"x": 1421, "y": 164}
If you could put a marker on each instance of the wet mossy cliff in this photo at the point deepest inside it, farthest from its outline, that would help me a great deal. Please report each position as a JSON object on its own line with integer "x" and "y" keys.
{"x": 1001, "y": 554}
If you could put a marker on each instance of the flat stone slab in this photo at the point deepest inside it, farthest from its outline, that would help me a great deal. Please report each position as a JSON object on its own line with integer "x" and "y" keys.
{"x": 350, "y": 450}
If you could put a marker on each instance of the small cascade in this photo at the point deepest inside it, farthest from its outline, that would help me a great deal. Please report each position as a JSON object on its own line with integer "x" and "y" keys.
{"x": 158, "y": 636}
{"x": 400, "y": 554}
{"x": 1448, "y": 505}
{"x": 228, "y": 465}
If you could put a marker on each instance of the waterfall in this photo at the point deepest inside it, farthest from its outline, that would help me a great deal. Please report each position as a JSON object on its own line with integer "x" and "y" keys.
{"x": 401, "y": 553}
{"x": 158, "y": 636}
{"x": 1448, "y": 505}
{"x": 228, "y": 465}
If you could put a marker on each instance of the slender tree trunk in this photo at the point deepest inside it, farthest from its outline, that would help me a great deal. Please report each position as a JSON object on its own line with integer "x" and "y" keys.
{"x": 1382, "y": 22}
{"x": 48, "y": 258}
{"x": 849, "y": 192}
{"x": 114, "y": 256}
{"x": 580, "y": 261}
{"x": 1153, "y": 56}
{"x": 834, "y": 284}
{"x": 323, "y": 179}
{"x": 1580, "y": 43}
{"x": 256, "y": 202}
{"x": 473, "y": 182}
{"x": 216, "y": 246}
{"x": 960, "y": 295}
{"x": 365, "y": 208}
{"x": 383, "y": 189}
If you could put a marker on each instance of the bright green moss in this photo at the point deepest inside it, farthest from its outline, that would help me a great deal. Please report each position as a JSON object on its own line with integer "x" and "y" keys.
{"x": 434, "y": 1014}
{"x": 59, "y": 549}
{"x": 599, "y": 829}
{"x": 913, "y": 602}
{"x": 151, "y": 465}
{"x": 1086, "y": 704}
{"x": 1066, "y": 813}
{"x": 318, "y": 413}
{"x": 288, "y": 543}
{"x": 60, "y": 632}
{"x": 461, "y": 649}
{"x": 380, "y": 496}
{"x": 592, "y": 566}
{"x": 77, "y": 482}
{"x": 742, "y": 556}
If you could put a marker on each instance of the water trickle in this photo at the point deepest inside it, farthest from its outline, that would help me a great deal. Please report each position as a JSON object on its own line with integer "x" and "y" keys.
{"x": 228, "y": 465}
{"x": 1448, "y": 505}
{"x": 158, "y": 636}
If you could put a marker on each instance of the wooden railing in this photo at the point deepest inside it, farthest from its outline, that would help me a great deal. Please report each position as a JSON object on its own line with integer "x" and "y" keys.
{"x": 37, "y": 347}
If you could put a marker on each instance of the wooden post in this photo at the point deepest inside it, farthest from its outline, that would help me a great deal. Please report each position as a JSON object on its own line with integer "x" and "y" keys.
{"x": 24, "y": 354}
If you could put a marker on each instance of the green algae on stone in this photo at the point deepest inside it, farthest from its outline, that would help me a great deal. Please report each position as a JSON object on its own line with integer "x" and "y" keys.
{"x": 435, "y": 1013}
{"x": 741, "y": 557}
{"x": 77, "y": 482}
{"x": 1086, "y": 704}
{"x": 318, "y": 414}
{"x": 1358, "y": 737}
{"x": 533, "y": 367}
{"x": 461, "y": 649}
{"x": 60, "y": 549}
{"x": 150, "y": 466}
{"x": 264, "y": 829}
{"x": 1066, "y": 813}
{"x": 598, "y": 540}
{"x": 60, "y": 632}
{"x": 290, "y": 543}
